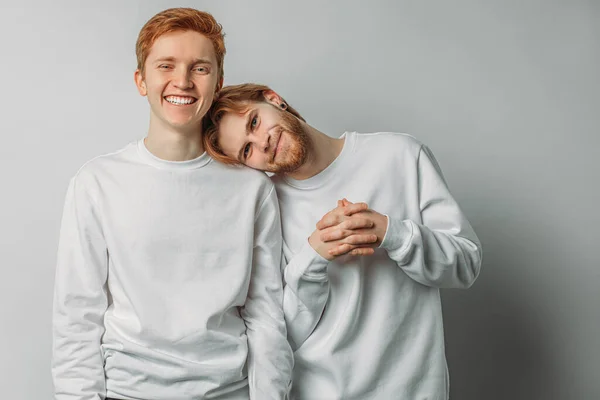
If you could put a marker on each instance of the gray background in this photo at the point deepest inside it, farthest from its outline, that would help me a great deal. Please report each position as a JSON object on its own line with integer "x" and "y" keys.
{"x": 506, "y": 93}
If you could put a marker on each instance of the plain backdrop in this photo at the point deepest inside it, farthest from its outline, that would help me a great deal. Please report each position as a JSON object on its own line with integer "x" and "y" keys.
{"x": 506, "y": 94}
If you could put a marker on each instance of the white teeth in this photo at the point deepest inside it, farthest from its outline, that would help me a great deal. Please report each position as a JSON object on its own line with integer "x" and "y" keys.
{"x": 179, "y": 100}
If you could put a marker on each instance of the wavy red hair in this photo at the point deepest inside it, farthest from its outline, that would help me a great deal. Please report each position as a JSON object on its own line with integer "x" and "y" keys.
{"x": 180, "y": 19}
{"x": 232, "y": 99}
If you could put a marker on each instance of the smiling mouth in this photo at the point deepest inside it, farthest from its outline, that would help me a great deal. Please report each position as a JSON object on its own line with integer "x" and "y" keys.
{"x": 181, "y": 100}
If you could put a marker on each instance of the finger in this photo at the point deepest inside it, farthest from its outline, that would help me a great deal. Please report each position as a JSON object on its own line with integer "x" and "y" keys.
{"x": 346, "y": 202}
{"x": 355, "y": 207}
{"x": 330, "y": 219}
{"x": 340, "y": 203}
{"x": 357, "y": 223}
{"x": 349, "y": 236}
{"x": 350, "y": 226}
{"x": 362, "y": 251}
{"x": 331, "y": 234}
{"x": 361, "y": 239}
{"x": 340, "y": 250}
{"x": 348, "y": 248}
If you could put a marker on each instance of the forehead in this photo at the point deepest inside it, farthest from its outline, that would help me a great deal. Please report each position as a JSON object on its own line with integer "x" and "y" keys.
{"x": 232, "y": 132}
{"x": 184, "y": 45}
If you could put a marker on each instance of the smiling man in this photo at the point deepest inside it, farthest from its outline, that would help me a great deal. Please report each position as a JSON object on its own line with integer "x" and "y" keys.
{"x": 168, "y": 283}
{"x": 361, "y": 295}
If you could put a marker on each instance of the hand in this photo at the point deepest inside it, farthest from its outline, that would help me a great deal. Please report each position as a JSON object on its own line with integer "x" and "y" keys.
{"x": 358, "y": 223}
{"x": 341, "y": 213}
{"x": 341, "y": 220}
{"x": 356, "y": 244}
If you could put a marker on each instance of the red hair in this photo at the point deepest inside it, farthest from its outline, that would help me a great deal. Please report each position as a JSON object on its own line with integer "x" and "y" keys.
{"x": 180, "y": 19}
{"x": 232, "y": 99}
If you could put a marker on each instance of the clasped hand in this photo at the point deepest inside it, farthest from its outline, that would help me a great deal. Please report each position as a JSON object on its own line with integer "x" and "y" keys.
{"x": 350, "y": 228}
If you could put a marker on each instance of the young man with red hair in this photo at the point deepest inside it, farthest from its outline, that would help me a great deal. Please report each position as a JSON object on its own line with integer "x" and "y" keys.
{"x": 168, "y": 283}
{"x": 361, "y": 295}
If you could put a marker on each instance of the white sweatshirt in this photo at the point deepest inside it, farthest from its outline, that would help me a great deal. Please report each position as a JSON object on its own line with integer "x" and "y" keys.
{"x": 168, "y": 283}
{"x": 371, "y": 327}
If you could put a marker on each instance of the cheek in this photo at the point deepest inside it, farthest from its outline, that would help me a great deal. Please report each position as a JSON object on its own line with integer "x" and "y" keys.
{"x": 207, "y": 98}
{"x": 155, "y": 87}
{"x": 206, "y": 83}
{"x": 256, "y": 161}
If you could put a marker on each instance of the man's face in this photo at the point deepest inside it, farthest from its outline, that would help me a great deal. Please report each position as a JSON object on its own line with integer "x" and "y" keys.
{"x": 264, "y": 138}
{"x": 180, "y": 79}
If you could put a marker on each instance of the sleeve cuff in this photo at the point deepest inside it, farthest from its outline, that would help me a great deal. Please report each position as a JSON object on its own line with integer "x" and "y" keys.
{"x": 397, "y": 235}
{"x": 307, "y": 264}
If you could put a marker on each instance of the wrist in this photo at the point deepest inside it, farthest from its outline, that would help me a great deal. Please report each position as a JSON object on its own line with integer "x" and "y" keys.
{"x": 385, "y": 223}
{"x": 317, "y": 244}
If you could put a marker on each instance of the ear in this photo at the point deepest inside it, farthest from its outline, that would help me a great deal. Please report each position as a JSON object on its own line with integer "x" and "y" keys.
{"x": 219, "y": 85}
{"x": 140, "y": 83}
{"x": 272, "y": 98}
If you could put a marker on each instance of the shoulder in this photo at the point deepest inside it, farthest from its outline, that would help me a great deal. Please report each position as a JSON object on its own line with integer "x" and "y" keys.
{"x": 385, "y": 138}
{"x": 90, "y": 172}
{"x": 240, "y": 173}
{"x": 241, "y": 179}
{"x": 387, "y": 142}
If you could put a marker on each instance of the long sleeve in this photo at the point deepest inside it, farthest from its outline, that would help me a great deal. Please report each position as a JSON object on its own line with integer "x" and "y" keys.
{"x": 442, "y": 249}
{"x": 80, "y": 301}
{"x": 305, "y": 293}
{"x": 270, "y": 358}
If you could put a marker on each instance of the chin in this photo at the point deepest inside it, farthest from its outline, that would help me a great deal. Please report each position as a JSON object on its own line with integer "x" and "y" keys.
{"x": 185, "y": 124}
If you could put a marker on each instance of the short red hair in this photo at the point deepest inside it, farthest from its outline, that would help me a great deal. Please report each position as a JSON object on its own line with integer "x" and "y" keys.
{"x": 180, "y": 19}
{"x": 232, "y": 99}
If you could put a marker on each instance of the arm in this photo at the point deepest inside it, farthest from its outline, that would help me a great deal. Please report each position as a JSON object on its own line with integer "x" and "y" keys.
{"x": 306, "y": 283}
{"x": 442, "y": 251}
{"x": 80, "y": 301}
{"x": 439, "y": 251}
{"x": 270, "y": 358}
{"x": 305, "y": 293}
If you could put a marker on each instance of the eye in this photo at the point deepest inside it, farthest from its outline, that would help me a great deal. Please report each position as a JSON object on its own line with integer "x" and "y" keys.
{"x": 253, "y": 122}
{"x": 246, "y": 150}
{"x": 164, "y": 66}
{"x": 202, "y": 70}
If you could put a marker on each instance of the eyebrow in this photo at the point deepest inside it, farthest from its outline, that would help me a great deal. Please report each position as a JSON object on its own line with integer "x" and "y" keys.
{"x": 195, "y": 61}
{"x": 249, "y": 115}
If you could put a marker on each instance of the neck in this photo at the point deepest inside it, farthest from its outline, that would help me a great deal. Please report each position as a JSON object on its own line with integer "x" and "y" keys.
{"x": 171, "y": 144}
{"x": 323, "y": 151}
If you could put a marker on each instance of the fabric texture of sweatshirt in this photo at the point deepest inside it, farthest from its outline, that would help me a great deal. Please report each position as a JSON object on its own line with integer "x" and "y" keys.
{"x": 370, "y": 327}
{"x": 168, "y": 283}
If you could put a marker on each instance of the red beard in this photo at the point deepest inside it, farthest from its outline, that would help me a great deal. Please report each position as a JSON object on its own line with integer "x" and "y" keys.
{"x": 296, "y": 153}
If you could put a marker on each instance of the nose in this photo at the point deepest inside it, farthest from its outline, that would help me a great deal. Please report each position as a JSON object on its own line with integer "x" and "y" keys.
{"x": 262, "y": 141}
{"x": 182, "y": 79}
